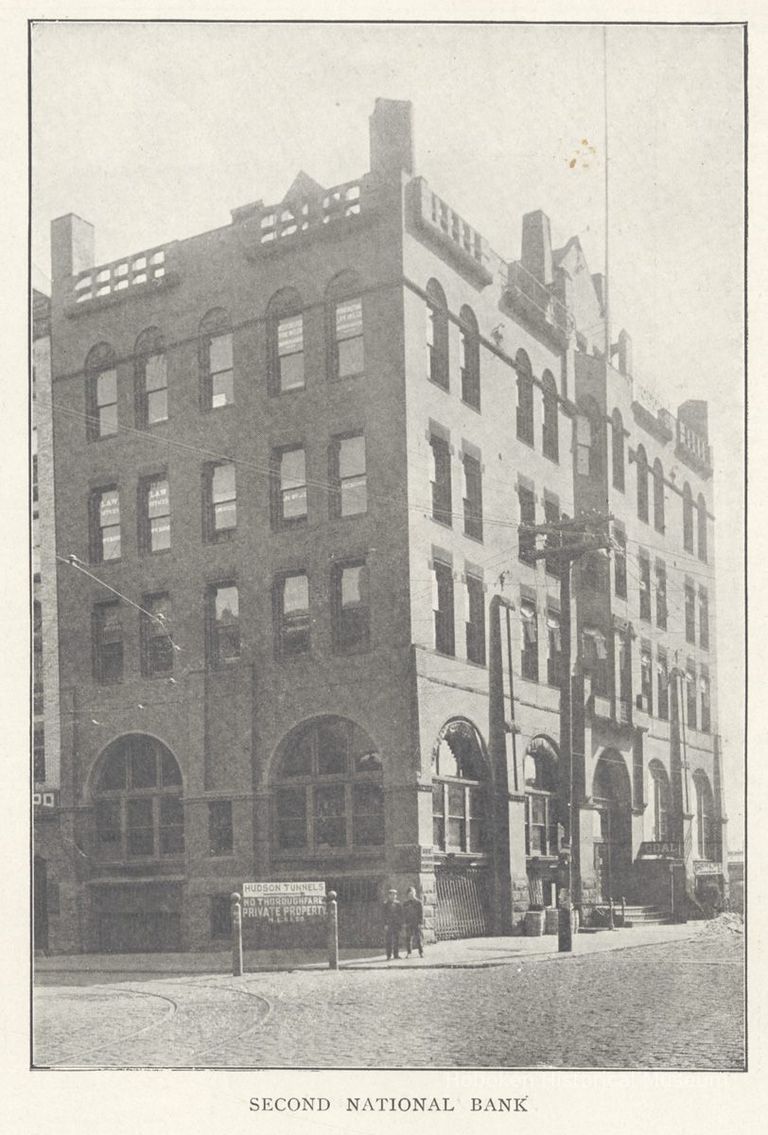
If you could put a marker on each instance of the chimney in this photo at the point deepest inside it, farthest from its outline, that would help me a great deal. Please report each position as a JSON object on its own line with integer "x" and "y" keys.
{"x": 694, "y": 414}
{"x": 625, "y": 352}
{"x": 391, "y": 135}
{"x": 536, "y": 253}
{"x": 72, "y": 247}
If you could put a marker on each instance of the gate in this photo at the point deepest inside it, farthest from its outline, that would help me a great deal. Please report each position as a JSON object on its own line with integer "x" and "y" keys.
{"x": 463, "y": 908}
{"x": 360, "y": 911}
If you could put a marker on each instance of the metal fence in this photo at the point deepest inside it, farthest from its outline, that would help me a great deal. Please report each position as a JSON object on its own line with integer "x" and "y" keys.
{"x": 463, "y": 908}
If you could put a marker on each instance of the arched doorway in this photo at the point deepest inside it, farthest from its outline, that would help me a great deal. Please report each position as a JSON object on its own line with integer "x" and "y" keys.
{"x": 138, "y": 831}
{"x": 612, "y": 795}
{"x": 660, "y": 802}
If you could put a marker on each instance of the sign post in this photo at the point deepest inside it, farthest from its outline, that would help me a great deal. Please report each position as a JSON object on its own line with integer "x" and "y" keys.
{"x": 237, "y": 935}
{"x": 333, "y": 931}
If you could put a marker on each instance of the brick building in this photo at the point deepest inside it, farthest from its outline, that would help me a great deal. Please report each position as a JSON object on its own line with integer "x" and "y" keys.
{"x": 302, "y": 637}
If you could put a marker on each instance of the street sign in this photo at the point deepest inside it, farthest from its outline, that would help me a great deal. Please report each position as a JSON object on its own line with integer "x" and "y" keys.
{"x": 281, "y": 903}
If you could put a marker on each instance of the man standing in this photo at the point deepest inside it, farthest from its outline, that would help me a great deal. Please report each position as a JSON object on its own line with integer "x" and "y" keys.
{"x": 393, "y": 920}
{"x": 413, "y": 916}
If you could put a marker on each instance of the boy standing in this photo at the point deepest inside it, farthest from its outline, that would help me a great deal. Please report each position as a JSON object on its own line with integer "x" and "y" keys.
{"x": 393, "y": 920}
{"x": 413, "y": 916}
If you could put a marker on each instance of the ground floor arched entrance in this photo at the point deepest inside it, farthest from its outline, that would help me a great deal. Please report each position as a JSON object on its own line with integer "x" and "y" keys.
{"x": 611, "y": 792}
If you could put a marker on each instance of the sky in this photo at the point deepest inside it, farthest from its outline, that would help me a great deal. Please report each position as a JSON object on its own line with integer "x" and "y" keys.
{"x": 153, "y": 132}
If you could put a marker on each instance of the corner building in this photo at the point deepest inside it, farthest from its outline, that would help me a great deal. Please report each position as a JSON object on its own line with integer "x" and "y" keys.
{"x": 301, "y": 637}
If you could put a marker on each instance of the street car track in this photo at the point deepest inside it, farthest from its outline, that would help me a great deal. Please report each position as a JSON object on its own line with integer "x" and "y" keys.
{"x": 244, "y": 1032}
{"x": 70, "y": 1059}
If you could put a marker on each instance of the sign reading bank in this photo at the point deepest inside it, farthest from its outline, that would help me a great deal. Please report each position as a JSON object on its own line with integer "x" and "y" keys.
{"x": 276, "y": 903}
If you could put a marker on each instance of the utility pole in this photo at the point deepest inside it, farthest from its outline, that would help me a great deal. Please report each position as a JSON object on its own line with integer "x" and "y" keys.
{"x": 566, "y": 541}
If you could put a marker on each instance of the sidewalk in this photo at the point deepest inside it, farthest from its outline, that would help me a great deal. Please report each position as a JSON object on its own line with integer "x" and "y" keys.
{"x": 465, "y": 953}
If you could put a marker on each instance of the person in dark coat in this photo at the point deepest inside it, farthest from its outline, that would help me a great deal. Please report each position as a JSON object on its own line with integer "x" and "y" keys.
{"x": 393, "y": 921}
{"x": 413, "y": 917}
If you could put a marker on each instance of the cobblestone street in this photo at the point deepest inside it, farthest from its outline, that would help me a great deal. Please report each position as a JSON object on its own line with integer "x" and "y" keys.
{"x": 677, "y": 1005}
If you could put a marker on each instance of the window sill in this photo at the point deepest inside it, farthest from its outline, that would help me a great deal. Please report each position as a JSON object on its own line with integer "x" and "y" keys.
{"x": 215, "y": 409}
{"x": 554, "y": 459}
{"x": 476, "y": 539}
{"x": 525, "y": 441}
{"x": 445, "y": 387}
{"x": 471, "y": 406}
{"x": 442, "y": 523}
{"x": 277, "y": 393}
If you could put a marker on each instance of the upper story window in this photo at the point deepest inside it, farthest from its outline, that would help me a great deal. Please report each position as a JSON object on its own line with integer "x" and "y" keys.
{"x": 475, "y": 619}
{"x": 661, "y": 802}
{"x": 345, "y": 326}
{"x": 437, "y": 335}
{"x": 218, "y": 384}
{"x": 645, "y": 586}
{"x": 690, "y": 613}
{"x": 705, "y": 718}
{"x": 590, "y": 432}
{"x": 285, "y": 323}
{"x": 105, "y": 525}
{"x": 555, "y": 660}
{"x": 292, "y": 614}
{"x": 223, "y": 623}
{"x": 473, "y": 497}
{"x": 155, "y": 515}
{"x": 662, "y": 685}
{"x": 348, "y": 476}
{"x": 470, "y": 358}
{"x": 617, "y": 450}
{"x": 641, "y": 465}
{"x": 351, "y": 614}
{"x": 220, "y": 829}
{"x": 550, "y": 439}
{"x": 151, "y": 378}
{"x": 658, "y": 496}
{"x": 101, "y": 379}
{"x": 540, "y": 774}
{"x": 156, "y": 642}
{"x": 107, "y": 631}
{"x": 138, "y": 797}
{"x": 687, "y": 518}
{"x": 524, "y": 397}
{"x": 661, "y": 595}
{"x": 526, "y": 541}
{"x": 552, "y": 539}
{"x": 701, "y": 508}
{"x": 620, "y": 561}
{"x": 441, "y": 480}
{"x": 691, "y": 699}
{"x": 442, "y": 606}
{"x": 221, "y": 501}
{"x": 289, "y": 485}
{"x": 646, "y": 677}
{"x": 459, "y": 789}
{"x": 703, "y": 618}
{"x": 595, "y": 655}
{"x": 530, "y": 635}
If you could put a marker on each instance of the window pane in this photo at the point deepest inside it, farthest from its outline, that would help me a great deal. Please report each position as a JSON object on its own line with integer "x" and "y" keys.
{"x": 295, "y": 594}
{"x": 108, "y": 823}
{"x": 349, "y": 319}
{"x": 106, "y": 388}
{"x": 332, "y": 746}
{"x": 107, "y": 420}
{"x": 170, "y": 771}
{"x": 109, "y": 508}
{"x": 354, "y": 496}
{"x": 157, "y": 406}
{"x": 140, "y": 829}
{"x": 298, "y": 759}
{"x": 171, "y": 826}
{"x": 222, "y": 389}
{"x": 330, "y": 824}
{"x": 143, "y": 765}
{"x": 351, "y": 456}
{"x": 455, "y": 800}
{"x": 155, "y": 373}
{"x": 220, "y": 353}
{"x": 292, "y": 372}
{"x": 291, "y": 818}
{"x": 368, "y": 814}
{"x": 113, "y": 773}
{"x": 158, "y": 503}
{"x": 290, "y": 335}
{"x": 351, "y": 357}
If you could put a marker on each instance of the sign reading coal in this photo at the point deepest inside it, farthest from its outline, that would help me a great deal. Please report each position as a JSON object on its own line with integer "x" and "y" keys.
{"x": 275, "y": 904}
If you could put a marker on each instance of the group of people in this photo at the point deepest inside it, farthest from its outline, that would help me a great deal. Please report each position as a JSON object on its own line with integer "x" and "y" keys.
{"x": 407, "y": 916}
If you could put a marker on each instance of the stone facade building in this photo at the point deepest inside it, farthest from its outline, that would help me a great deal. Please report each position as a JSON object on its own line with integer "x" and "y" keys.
{"x": 301, "y": 635}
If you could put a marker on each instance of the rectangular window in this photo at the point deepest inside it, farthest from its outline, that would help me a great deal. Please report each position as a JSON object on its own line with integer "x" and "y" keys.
{"x": 645, "y": 588}
{"x": 690, "y": 614}
{"x": 438, "y": 814}
{"x": 661, "y": 595}
{"x": 554, "y": 648}
{"x": 290, "y": 353}
{"x": 155, "y": 504}
{"x": 470, "y": 368}
{"x": 442, "y": 606}
{"x": 473, "y": 498}
{"x": 330, "y": 816}
{"x": 690, "y": 695}
{"x": 105, "y": 526}
{"x": 619, "y": 561}
{"x": 348, "y": 340}
{"x": 595, "y": 652}
{"x": 154, "y": 392}
{"x": 704, "y": 688}
{"x": 291, "y": 808}
{"x": 475, "y": 621}
{"x": 530, "y": 637}
{"x": 292, "y": 602}
{"x": 156, "y": 643}
{"x": 222, "y": 501}
{"x": 456, "y": 830}
{"x": 646, "y": 678}
{"x": 108, "y": 643}
{"x": 171, "y": 825}
{"x": 552, "y": 539}
{"x": 662, "y": 685}
{"x": 367, "y": 815}
{"x": 140, "y": 829}
{"x": 351, "y": 611}
{"x": 289, "y": 481}
{"x": 441, "y": 480}
{"x": 348, "y": 476}
{"x": 525, "y": 409}
{"x": 220, "y": 835}
{"x": 221, "y": 916}
{"x": 703, "y": 618}
{"x": 526, "y": 541}
{"x": 221, "y": 386}
{"x": 437, "y": 345}
{"x": 103, "y": 405}
{"x": 224, "y": 623}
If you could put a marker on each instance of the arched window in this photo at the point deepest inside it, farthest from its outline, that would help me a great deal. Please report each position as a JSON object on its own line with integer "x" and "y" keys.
{"x": 641, "y": 464}
{"x": 285, "y": 339}
{"x": 550, "y": 441}
{"x": 459, "y": 800}
{"x": 658, "y": 496}
{"x": 138, "y": 799}
{"x": 687, "y": 518}
{"x": 437, "y": 335}
{"x": 470, "y": 358}
{"x": 216, "y": 370}
{"x": 151, "y": 379}
{"x": 617, "y": 450}
{"x": 701, "y": 508}
{"x": 346, "y": 354}
{"x": 524, "y": 397}
{"x": 705, "y": 841}
{"x": 540, "y": 774}
{"x": 101, "y": 392}
{"x": 660, "y": 801}
{"x": 328, "y": 788}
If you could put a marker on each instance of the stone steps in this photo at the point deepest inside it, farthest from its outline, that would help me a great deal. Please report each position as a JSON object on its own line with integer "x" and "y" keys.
{"x": 646, "y": 916}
